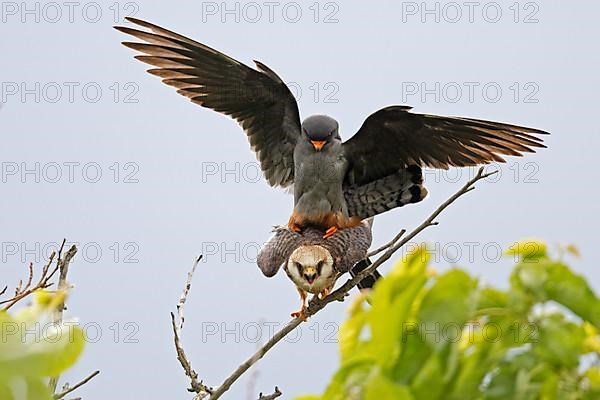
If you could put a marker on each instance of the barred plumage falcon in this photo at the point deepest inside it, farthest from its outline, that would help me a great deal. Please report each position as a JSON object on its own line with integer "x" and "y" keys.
{"x": 314, "y": 263}
{"x": 335, "y": 184}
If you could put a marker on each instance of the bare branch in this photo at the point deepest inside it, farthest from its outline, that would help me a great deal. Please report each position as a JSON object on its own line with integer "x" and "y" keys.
{"x": 186, "y": 290}
{"x": 67, "y": 389}
{"x": 272, "y": 396}
{"x": 197, "y": 386}
{"x": 283, "y": 332}
{"x": 315, "y": 305}
{"x": 254, "y": 374}
{"x": 63, "y": 265}
{"x": 42, "y": 283}
{"x": 387, "y": 245}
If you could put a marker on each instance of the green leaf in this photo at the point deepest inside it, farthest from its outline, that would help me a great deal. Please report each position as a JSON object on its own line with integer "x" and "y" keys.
{"x": 446, "y": 307}
{"x": 348, "y": 382}
{"x": 415, "y": 352}
{"x": 427, "y": 383}
{"x": 528, "y": 250}
{"x": 379, "y": 387}
{"x": 491, "y": 298}
{"x": 393, "y": 301}
{"x": 572, "y": 291}
{"x": 350, "y": 331}
{"x": 559, "y": 342}
{"x": 47, "y": 355}
{"x": 24, "y": 388}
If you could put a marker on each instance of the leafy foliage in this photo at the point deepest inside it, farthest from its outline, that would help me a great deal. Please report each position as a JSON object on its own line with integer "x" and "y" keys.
{"x": 429, "y": 336}
{"x": 32, "y": 348}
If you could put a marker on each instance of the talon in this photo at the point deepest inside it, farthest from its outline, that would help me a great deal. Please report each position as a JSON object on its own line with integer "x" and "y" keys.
{"x": 295, "y": 223}
{"x": 329, "y": 232}
{"x": 300, "y": 314}
{"x": 294, "y": 226}
{"x": 324, "y": 293}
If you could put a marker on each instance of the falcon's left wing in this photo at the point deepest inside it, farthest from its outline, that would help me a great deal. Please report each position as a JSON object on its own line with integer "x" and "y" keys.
{"x": 350, "y": 245}
{"x": 393, "y": 138}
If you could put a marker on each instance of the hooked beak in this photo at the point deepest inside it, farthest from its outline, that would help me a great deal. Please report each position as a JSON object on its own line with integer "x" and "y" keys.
{"x": 310, "y": 274}
{"x": 318, "y": 144}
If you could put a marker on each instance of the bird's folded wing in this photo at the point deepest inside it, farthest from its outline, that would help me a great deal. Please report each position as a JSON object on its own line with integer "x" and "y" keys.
{"x": 258, "y": 99}
{"x": 277, "y": 250}
{"x": 352, "y": 244}
{"x": 394, "y": 138}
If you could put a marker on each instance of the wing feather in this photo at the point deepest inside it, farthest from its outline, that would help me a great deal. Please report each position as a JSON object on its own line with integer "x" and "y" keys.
{"x": 256, "y": 98}
{"x": 393, "y": 138}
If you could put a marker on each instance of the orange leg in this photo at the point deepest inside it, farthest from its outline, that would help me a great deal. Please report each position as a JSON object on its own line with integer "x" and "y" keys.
{"x": 294, "y": 223}
{"x": 329, "y": 232}
{"x": 325, "y": 292}
{"x": 302, "y": 312}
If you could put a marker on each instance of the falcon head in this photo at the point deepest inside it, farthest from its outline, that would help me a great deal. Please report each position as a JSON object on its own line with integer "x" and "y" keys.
{"x": 320, "y": 130}
{"x": 311, "y": 268}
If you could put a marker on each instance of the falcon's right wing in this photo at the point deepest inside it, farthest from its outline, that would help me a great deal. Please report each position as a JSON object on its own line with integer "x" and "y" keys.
{"x": 257, "y": 98}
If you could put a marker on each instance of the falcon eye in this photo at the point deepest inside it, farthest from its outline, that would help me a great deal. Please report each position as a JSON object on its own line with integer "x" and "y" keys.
{"x": 320, "y": 266}
{"x": 299, "y": 267}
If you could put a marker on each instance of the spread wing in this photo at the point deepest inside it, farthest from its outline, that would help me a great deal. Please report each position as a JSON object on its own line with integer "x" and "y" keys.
{"x": 258, "y": 99}
{"x": 394, "y": 138}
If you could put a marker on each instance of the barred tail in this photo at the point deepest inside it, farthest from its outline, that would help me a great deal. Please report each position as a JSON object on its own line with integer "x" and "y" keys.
{"x": 369, "y": 281}
{"x": 395, "y": 190}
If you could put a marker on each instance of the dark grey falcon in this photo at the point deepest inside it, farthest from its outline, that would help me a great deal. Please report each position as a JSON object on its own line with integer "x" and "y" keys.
{"x": 336, "y": 184}
{"x": 314, "y": 263}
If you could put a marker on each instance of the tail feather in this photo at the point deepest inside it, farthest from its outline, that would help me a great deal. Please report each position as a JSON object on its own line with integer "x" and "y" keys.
{"x": 369, "y": 281}
{"x": 395, "y": 190}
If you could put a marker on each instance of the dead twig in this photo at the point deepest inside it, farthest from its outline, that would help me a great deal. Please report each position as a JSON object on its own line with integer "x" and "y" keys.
{"x": 271, "y": 396}
{"x": 387, "y": 245}
{"x": 197, "y": 386}
{"x": 63, "y": 265}
{"x": 68, "y": 389}
{"x": 23, "y": 291}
